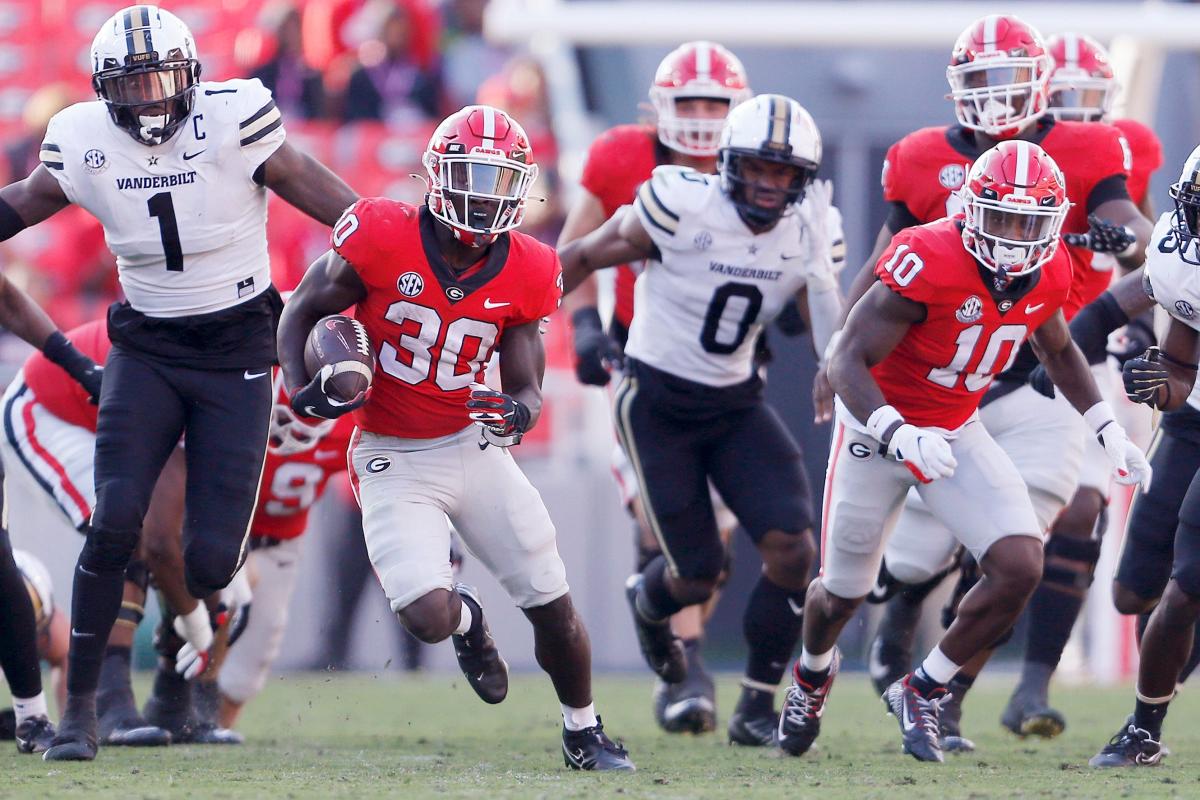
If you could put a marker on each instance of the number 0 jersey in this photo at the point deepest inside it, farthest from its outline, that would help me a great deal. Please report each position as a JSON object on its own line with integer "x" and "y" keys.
{"x": 937, "y": 374}
{"x": 703, "y": 303}
{"x": 186, "y": 219}
{"x": 433, "y": 329}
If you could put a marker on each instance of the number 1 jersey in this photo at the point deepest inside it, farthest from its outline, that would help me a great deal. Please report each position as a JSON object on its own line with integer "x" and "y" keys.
{"x": 434, "y": 329}
{"x": 936, "y": 375}
{"x": 186, "y": 219}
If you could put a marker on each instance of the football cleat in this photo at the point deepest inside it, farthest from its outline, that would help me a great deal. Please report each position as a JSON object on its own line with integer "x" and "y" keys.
{"x": 750, "y": 729}
{"x": 76, "y": 737}
{"x": 590, "y": 749}
{"x": 918, "y": 718}
{"x": 210, "y": 733}
{"x": 661, "y": 648}
{"x": 125, "y": 728}
{"x": 1130, "y": 747}
{"x": 685, "y": 707}
{"x": 950, "y": 722}
{"x": 478, "y": 657}
{"x": 35, "y": 734}
{"x": 1032, "y": 717}
{"x": 803, "y": 706}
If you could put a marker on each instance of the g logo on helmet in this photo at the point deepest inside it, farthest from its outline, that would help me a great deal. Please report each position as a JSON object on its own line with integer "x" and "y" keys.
{"x": 410, "y": 284}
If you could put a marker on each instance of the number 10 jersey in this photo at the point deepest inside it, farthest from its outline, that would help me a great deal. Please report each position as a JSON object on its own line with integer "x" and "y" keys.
{"x": 702, "y": 303}
{"x": 186, "y": 219}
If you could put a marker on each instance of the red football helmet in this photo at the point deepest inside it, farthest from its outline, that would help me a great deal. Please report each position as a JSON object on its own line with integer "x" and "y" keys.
{"x": 480, "y": 167}
{"x": 696, "y": 70}
{"x": 1014, "y": 202}
{"x": 999, "y": 74}
{"x": 1082, "y": 86}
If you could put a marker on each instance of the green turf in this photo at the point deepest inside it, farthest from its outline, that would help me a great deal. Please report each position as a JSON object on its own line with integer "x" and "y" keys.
{"x": 390, "y": 736}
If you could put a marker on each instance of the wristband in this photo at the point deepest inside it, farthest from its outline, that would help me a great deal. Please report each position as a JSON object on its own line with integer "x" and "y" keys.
{"x": 883, "y": 422}
{"x": 1099, "y": 415}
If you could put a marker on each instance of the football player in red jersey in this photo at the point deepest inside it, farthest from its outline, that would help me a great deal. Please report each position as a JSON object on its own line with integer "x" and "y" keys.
{"x": 999, "y": 77}
{"x": 440, "y": 289}
{"x": 952, "y": 302}
{"x": 694, "y": 88}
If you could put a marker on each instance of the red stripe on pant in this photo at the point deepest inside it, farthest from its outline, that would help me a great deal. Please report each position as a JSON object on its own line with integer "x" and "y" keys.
{"x": 76, "y": 496}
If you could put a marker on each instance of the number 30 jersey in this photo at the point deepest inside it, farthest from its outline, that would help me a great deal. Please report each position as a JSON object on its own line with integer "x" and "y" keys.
{"x": 937, "y": 374}
{"x": 433, "y": 329}
{"x": 701, "y": 305}
{"x": 186, "y": 219}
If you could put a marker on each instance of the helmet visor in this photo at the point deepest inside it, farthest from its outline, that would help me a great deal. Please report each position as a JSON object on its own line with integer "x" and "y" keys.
{"x": 998, "y": 94}
{"x": 484, "y": 196}
{"x": 146, "y": 88}
{"x": 481, "y": 178}
{"x": 1079, "y": 101}
{"x": 1018, "y": 226}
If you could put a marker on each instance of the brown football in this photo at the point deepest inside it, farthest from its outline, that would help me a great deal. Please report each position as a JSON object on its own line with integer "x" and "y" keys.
{"x": 341, "y": 342}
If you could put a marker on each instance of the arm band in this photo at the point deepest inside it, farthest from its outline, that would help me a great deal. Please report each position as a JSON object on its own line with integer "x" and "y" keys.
{"x": 1093, "y": 324}
{"x": 10, "y": 221}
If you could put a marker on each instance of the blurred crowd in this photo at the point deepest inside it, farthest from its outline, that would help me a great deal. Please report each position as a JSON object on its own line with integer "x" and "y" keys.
{"x": 361, "y": 84}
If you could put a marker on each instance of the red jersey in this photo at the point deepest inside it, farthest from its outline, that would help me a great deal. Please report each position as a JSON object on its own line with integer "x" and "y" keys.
{"x": 59, "y": 392}
{"x": 938, "y": 373}
{"x": 292, "y": 483}
{"x": 925, "y": 169}
{"x": 1147, "y": 155}
{"x": 433, "y": 329}
{"x": 618, "y": 162}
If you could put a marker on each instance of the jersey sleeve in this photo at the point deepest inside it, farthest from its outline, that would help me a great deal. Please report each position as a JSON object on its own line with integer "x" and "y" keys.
{"x": 1111, "y": 161}
{"x": 598, "y": 173}
{"x": 903, "y": 267}
{"x": 545, "y": 293}
{"x": 890, "y": 177}
{"x": 662, "y": 201}
{"x": 353, "y": 237}
{"x": 260, "y": 125}
{"x": 55, "y": 146}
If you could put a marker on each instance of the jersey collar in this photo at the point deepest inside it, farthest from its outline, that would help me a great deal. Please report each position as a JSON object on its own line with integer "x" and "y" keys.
{"x": 454, "y": 286}
{"x": 962, "y": 140}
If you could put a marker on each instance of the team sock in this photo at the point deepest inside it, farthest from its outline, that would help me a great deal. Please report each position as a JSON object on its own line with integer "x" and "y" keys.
{"x": 1149, "y": 713}
{"x": 772, "y": 624}
{"x": 30, "y": 707}
{"x": 655, "y": 602}
{"x": 934, "y": 673}
{"x": 577, "y": 719}
{"x": 115, "y": 688}
{"x": 95, "y": 602}
{"x": 813, "y": 668}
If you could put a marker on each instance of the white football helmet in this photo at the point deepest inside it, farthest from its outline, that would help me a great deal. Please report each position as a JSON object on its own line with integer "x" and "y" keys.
{"x": 774, "y": 128}
{"x": 144, "y": 67}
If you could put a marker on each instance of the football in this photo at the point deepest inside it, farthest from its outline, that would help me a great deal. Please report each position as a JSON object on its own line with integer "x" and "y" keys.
{"x": 341, "y": 342}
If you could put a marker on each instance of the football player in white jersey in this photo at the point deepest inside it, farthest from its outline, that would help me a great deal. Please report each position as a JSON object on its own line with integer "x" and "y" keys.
{"x": 176, "y": 170}
{"x": 725, "y": 254}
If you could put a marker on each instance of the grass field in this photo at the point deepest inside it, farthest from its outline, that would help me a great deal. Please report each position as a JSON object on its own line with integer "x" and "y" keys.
{"x": 325, "y": 735}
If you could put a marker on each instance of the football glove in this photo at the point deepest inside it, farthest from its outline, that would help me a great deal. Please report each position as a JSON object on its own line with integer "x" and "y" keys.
{"x": 814, "y": 213}
{"x": 1104, "y": 237}
{"x": 1127, "y": 458}
{"x": 1143, "y": 376}
{"x": 926, "y": 454}
{"x": 312, "y": 401}
{"x": 197, "y": 633}
{"x": 596, "y": 353}
{"x": 504, "y": 419}
{"x": 87, "y": 373}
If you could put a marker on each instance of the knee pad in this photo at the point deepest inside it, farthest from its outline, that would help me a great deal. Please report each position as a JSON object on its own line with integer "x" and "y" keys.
{"x": 1085, "y": 552}
{"x": 109, "y": 549}
{"x": 542, "y": 579}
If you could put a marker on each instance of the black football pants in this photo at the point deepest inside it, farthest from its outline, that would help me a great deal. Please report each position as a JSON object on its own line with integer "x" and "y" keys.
{"x": 18, "y": 628}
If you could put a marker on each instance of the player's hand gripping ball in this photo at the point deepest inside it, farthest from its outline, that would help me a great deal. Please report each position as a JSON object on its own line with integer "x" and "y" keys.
{"x": 339, "y": 358}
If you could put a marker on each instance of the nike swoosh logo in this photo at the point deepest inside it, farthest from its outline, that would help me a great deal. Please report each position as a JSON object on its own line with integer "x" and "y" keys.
{"x": 489, "y": 304}
{"x": 906, "y": 720}
{"x": 797, "y": 610}
{"x": 789, "y": 258}
{"x": 78, "y": 634}
{"x": 310, "y": 411}
{"x": 190, "y": 156}
{"x": 577, "y": 757}
{"x": 1031, "y": 309}
{"x": 248, "y": 375}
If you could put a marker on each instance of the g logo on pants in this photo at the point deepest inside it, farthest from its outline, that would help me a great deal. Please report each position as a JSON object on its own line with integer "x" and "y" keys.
{"x": 378, "y": 464}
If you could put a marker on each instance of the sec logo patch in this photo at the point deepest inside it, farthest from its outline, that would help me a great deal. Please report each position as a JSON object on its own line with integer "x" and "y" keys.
{"x": 410, "y": 284}
{"x": 952, "y": 176}
{"x": 970, "y": 311}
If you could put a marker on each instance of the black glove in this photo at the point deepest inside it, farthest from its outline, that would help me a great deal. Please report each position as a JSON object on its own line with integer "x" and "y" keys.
{"x": 1143, "y": 375}
{"x": 86, "y": 372}
{"x": 1137, "y": 338}
{"x": 790, "y": 322}
{"x": 1103, "y": 237}
{"x": 595, "y": 351}
{"x": 1039, "y": 379}
{"x": 504, "y": 419}
{"x": 311, "y": 400}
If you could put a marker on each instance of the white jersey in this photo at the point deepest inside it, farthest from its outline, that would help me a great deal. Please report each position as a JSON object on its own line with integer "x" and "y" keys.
{"x": 701, "y": 307}
{"x": 185, "y": 219}
{"x": 1173, "y": 283}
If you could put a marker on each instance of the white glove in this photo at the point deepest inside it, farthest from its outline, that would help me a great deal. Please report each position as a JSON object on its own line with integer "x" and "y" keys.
{"x": 1127, "y": 459}
{"x": 196, "y": 631}
{"x": 814, "y": 213}
{"x": 926, "y": 454}
{"x": 237, "y": 593}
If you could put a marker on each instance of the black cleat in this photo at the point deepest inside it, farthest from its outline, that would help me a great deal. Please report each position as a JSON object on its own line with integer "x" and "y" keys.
{"x": 591, "y": 749}
{"x": 124, "y": 727}
{"x": 918, "y": 718}
{"x": 950, "y": 720}
{"x": 35, "y": 734}
{"x": 209, "y": 733}
{"x": 750, "y": 729}
{"x": 1130, "y": 747}
{"x": 76, "y": 738}
{"x": 803, "y": 706}
{"x": 661, "y": 648}
{"x": 691, "y": 706}
{"x": 1028, "y": 716}
{"x": 477, "y": 655}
